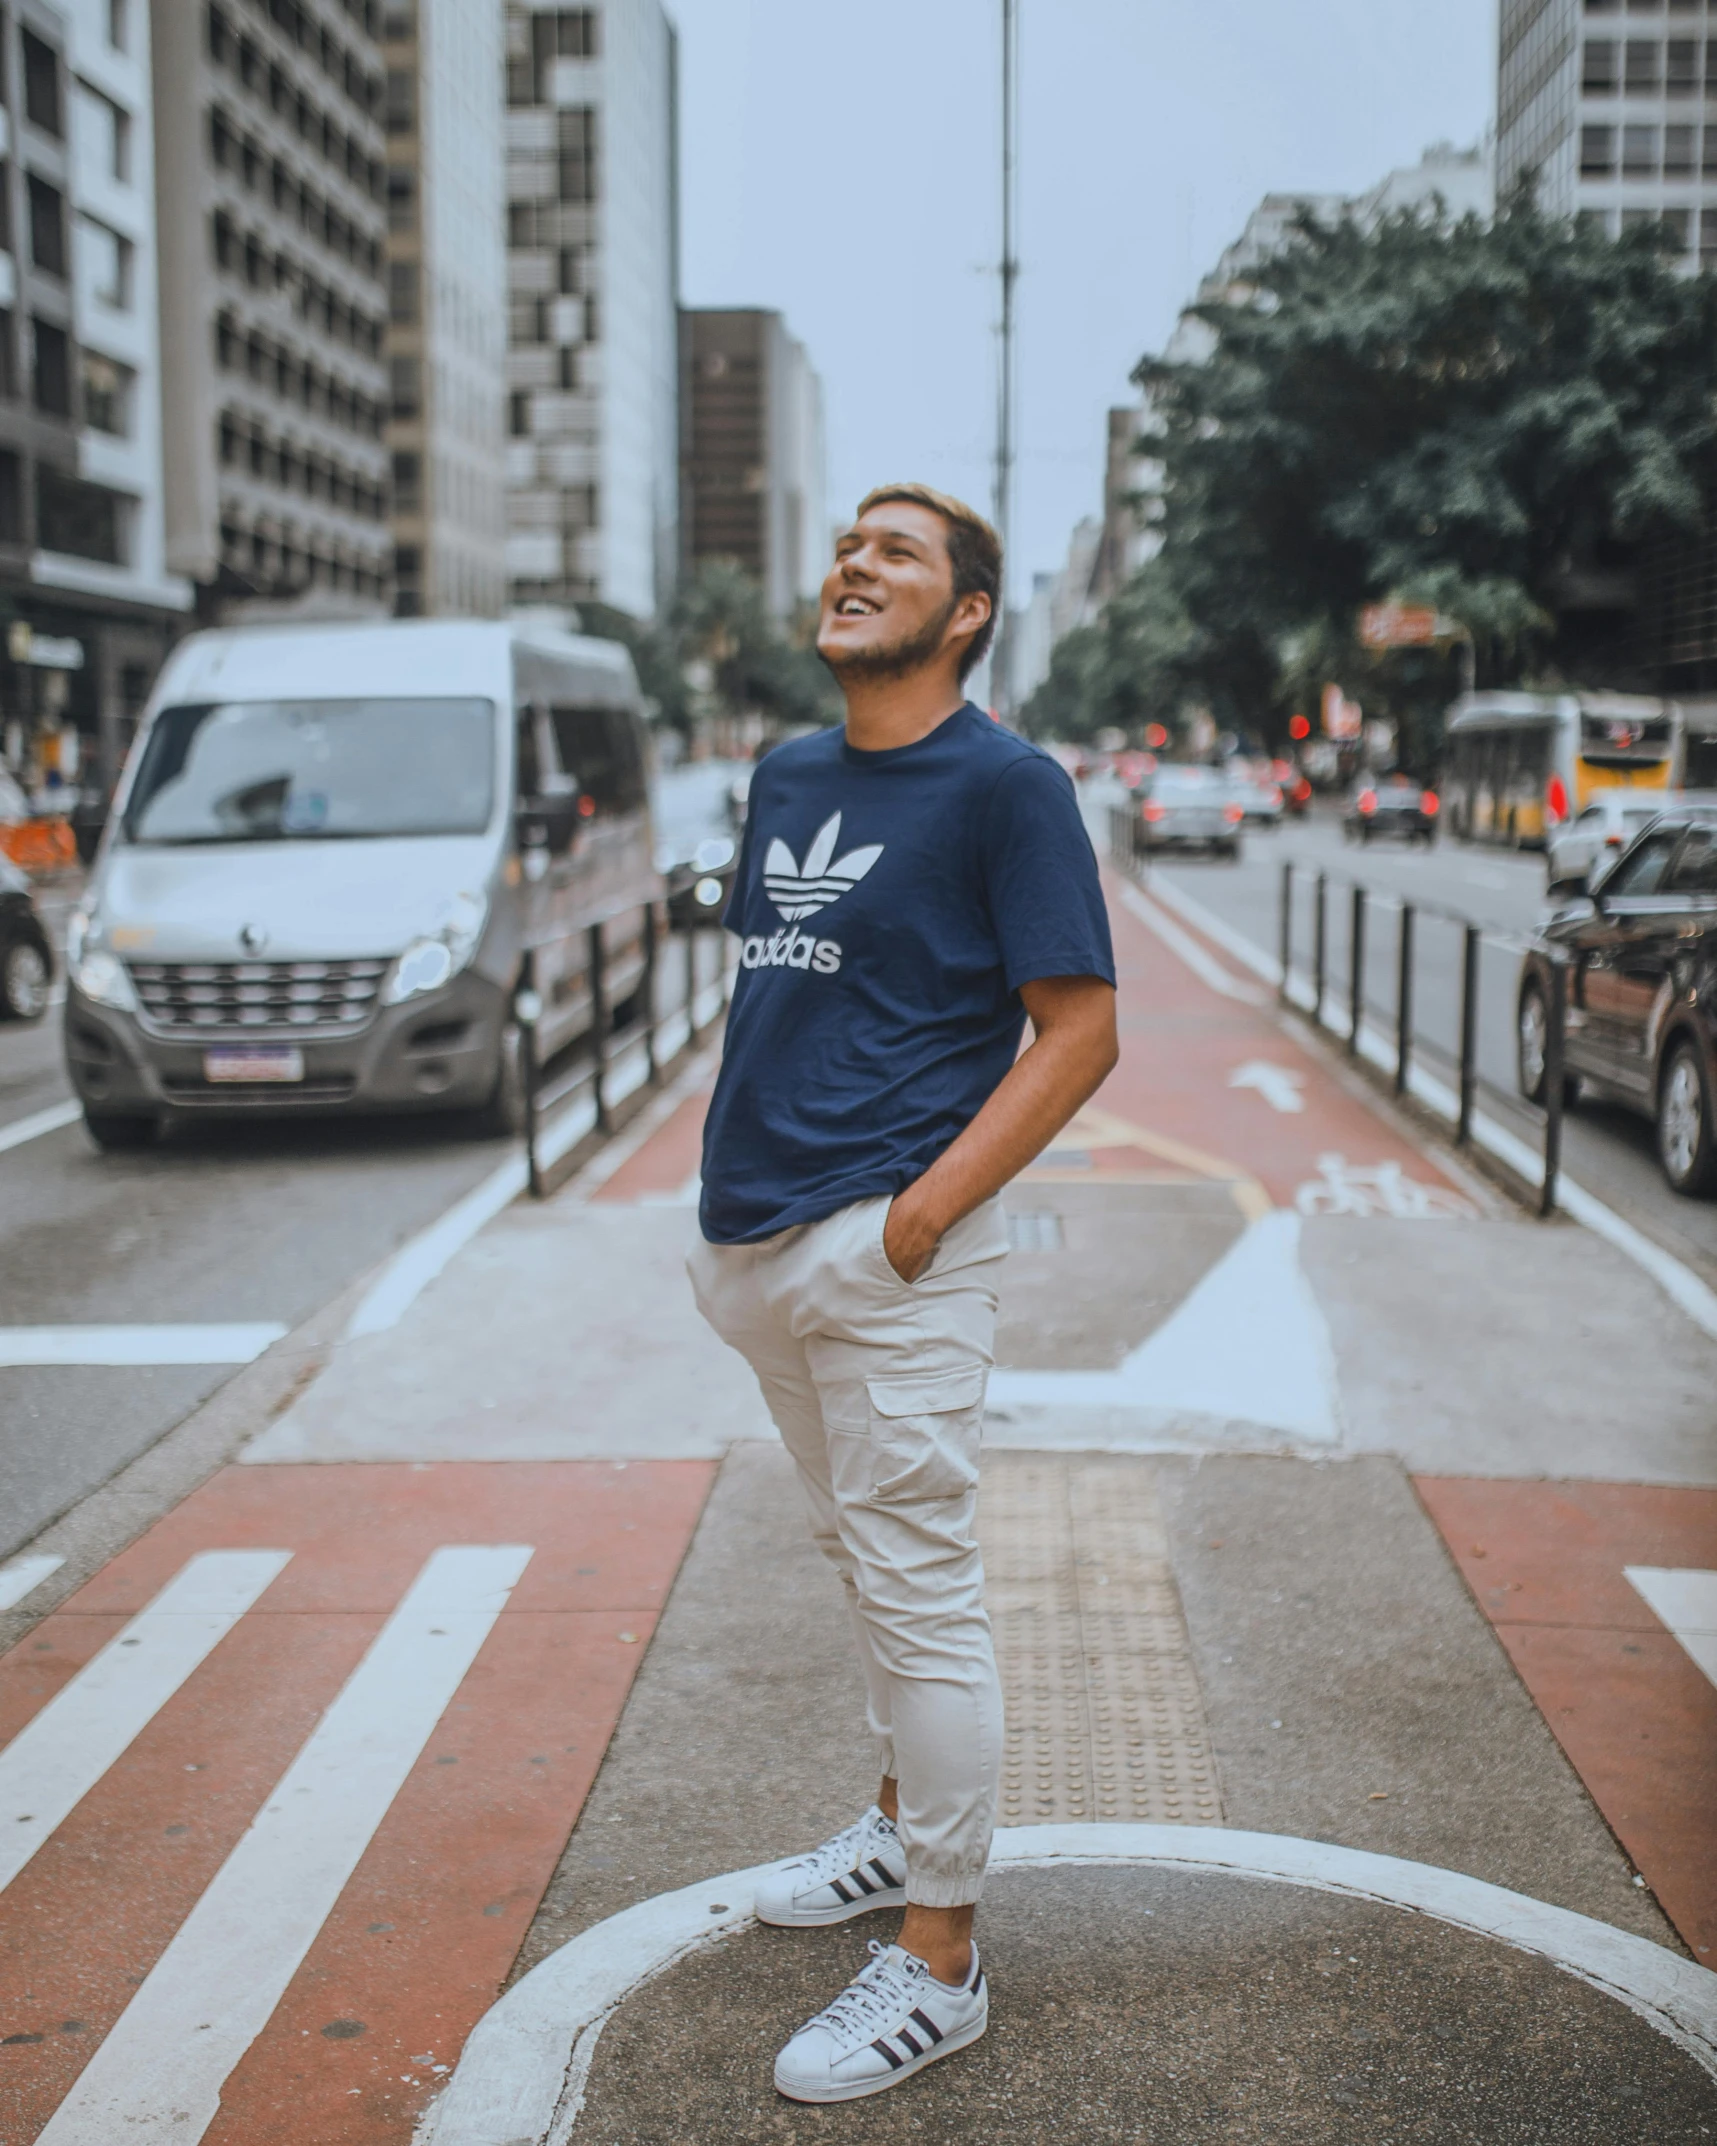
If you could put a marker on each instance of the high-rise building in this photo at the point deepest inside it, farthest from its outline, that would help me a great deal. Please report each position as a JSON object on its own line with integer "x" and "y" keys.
{"x": 87, "y": 604}
{"x": 447, "y": 304}
{"x": 593, "y": 280}
{"x": 752, "y": 485}
{"x": 1606, "y": 111}
{"x": 270, "y": 185}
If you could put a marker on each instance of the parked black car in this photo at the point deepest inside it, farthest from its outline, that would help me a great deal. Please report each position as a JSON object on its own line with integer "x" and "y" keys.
{"x": 1391, "y": 805}
{"x": 1641, "y": 952}
{"x": 26, "y": 961}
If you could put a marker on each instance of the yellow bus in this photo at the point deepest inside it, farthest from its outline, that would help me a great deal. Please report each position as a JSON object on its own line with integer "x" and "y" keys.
{"x": 1519, "y": 765}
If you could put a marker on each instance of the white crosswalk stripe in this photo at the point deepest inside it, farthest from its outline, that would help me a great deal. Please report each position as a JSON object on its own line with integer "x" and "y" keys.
{"x": 157, "y": 2078}
{"x": 63, "y": 1751}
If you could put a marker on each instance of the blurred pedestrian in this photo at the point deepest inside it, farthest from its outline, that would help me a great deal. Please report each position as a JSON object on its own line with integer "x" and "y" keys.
{"x": 913, "y": 885}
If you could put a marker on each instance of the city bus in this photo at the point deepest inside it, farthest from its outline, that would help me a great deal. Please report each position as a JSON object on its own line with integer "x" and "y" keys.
{"x": 1519, "y": 765}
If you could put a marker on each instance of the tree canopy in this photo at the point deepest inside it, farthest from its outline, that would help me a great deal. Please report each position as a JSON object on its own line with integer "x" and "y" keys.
{"x": 1489, "y": 418}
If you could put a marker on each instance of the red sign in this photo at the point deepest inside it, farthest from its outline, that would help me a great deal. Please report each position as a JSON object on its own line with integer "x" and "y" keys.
{"x": 1398, "y": 626}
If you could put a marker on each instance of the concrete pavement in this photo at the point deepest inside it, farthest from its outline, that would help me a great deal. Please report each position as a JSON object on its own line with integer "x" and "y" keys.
{"x": 1306, "y": 1527}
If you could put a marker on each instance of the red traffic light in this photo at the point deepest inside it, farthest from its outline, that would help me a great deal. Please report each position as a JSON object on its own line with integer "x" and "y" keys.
{"x": 1156, "y": 737}
{"x": 1298, "y": 727}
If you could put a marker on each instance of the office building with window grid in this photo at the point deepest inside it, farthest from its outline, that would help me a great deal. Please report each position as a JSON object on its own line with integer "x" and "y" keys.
{"x": 87, "y": 604}
{"x": 752, "y": 477}
{"x": 1611, "y": 107}
{"x": 447, "y": 305}
{"x": 592, "y": 272}
{"x": 271, "y": 189}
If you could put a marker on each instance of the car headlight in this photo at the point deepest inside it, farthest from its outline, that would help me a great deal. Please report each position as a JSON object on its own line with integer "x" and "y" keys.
{"x": 101, "y": 977}
{"x": 437, "y": 956}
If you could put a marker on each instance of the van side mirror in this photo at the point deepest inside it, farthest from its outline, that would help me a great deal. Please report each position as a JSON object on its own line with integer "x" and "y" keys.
{"x": 545, "y": 823}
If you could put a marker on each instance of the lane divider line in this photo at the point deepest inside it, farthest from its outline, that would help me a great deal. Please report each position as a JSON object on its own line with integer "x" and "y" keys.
{"x": 1190, "y": 952}
{"x": 157, "y": 2077}
{"x": 1673, "y": 1276}
{"x": 64, "y": 1750}
{"x": 233, "y": 1342}
{"x": 411, "y": 1270}
{"x": 522, "y": 2076}
{"x": 23, "y": 1576}
{"x": 38, "y": 1123}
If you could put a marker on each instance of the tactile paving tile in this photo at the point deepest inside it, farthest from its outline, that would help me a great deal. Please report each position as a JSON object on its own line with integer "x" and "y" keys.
{"x": 1104, "y": 1715}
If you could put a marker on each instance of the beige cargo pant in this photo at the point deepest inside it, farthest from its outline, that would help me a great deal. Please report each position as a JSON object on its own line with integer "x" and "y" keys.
{"x": 877, "y": 1388}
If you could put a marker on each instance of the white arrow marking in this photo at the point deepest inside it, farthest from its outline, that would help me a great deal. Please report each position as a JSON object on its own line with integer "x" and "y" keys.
{"x": 1279, "y": 1088}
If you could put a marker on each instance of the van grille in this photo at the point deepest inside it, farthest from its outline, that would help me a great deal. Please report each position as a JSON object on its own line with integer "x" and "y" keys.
{"x": 330, "y": 998}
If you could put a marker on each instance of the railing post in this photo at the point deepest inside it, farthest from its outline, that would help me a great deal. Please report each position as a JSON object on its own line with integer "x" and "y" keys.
{"x": 1320, "y": 947}
{"x": 691, "y": 938}
{"x": 1356, "y": 982}
{"x": 1469, "y": 1034}
{"x": 1285, "y": 928}
{"x": 527, "y": 1010}
{"x": 1404, "y": 1002}
{"x": 594, "y": 959}
{"x": 1553, "y": 1086}
{"x": 649, "y": 988}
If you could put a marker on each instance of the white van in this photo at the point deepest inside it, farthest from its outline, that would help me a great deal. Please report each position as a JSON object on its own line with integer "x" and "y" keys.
{"x": 334, "y": 857}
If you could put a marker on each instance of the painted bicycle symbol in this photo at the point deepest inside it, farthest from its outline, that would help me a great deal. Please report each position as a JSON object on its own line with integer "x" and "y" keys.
{"x": 1378, "y": 1188}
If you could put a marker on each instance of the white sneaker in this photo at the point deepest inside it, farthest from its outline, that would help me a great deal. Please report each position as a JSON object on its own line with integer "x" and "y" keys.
{"x": 860, "y": 1869}
{"x": 891, "y": 2022}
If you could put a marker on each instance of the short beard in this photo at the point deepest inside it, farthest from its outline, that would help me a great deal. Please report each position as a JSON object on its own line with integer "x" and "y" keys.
{"x": 898, "y": 659}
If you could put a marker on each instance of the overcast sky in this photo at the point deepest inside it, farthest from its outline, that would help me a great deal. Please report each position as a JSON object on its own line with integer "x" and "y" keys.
{"x": 840, "y": 163}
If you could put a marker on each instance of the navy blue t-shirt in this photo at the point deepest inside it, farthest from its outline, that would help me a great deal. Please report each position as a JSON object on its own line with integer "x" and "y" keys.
{"x": 889, "y": 906}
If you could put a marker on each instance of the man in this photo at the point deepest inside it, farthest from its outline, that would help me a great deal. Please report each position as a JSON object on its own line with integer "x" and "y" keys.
{"x": 912, "y": 886}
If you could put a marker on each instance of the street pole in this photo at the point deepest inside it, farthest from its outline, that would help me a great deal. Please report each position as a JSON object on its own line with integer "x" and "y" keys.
{"x": 1001, "y": 692}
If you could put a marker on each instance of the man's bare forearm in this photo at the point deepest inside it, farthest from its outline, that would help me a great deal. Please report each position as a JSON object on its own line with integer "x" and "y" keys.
{"x": 1072, "y": 1053}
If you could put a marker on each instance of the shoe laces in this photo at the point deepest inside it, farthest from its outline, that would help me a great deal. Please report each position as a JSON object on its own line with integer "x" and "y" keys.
{"x": 842, "y": 1852}
{"x": 882, "y": 1994}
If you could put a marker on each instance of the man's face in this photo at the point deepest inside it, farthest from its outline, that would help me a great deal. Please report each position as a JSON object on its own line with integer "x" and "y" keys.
{"x": 888, "y": 602}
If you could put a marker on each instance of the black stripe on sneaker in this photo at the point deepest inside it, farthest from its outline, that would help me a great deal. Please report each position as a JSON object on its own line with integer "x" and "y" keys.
{"x": 885, "y": 1874}
{"x": 978, "y": 1982}
{"x": 858, "y": 1878}
{"x": 882, "y": 2049}
{"x": 926, "y": 2022}
{"x": 840, "y": 1892}
{"x": 903, "y": 2034}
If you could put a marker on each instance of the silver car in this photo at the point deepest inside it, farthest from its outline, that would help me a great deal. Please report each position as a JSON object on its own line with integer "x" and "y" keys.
{"x": 1605, "y": 828}
{"x": 1182, "y": 807}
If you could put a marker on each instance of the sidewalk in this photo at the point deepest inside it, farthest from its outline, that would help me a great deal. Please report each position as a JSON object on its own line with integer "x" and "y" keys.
{"x": 1316, "y": 1480}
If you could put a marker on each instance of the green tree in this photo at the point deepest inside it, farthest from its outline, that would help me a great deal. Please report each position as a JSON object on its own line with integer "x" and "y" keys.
{"x": 718, "y": 618}
{"x": 1491, "y": 416}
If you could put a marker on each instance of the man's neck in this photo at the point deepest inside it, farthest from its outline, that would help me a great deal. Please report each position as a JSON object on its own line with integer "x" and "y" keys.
{"x": 883, "y": 713}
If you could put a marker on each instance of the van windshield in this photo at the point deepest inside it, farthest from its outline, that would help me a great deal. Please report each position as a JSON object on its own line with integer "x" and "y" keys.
{"x": 315, "y": 771}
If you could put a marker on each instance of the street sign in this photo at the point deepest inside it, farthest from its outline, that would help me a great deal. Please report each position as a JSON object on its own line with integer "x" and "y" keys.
{"x": 1398, "y": 626}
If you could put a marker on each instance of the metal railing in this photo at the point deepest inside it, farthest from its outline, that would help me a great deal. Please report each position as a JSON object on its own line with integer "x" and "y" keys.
{"x": 1420, "y": 1005}
{"x": 572, "y": 1102}
{"x": 1392, "y": 1034}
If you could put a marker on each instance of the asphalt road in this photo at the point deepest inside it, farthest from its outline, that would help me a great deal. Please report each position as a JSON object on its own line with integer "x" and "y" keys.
{"x": 1606, "y": 1149}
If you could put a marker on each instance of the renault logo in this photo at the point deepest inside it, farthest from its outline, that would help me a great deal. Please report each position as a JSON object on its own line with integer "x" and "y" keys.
{"x": 252, "y": 938}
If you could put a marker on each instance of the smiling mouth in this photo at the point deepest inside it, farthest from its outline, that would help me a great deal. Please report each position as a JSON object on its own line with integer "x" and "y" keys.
{"x": 856, "y": 607}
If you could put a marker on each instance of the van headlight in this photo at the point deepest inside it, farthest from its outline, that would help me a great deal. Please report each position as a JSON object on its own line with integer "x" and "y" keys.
{"x": 100, "y": 975}
{"x": 437, "y": 956}
{"x": 102, "y": 979}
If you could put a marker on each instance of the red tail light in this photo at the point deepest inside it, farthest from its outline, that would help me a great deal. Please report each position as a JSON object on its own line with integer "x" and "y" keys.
{"x": 1614, "y": 842}
{"x": 1429, "y": 803}
{"x": 1556, "y": 798}
{"x": 1154, "y": 812}
{"x": 1302, "y": 789}
{"x": 1232, "y": 813}
{"x": 1368, "y": 801}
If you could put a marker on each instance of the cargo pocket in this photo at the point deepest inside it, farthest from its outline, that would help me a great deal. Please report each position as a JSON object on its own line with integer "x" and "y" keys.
{"x": 924, "y": 1434}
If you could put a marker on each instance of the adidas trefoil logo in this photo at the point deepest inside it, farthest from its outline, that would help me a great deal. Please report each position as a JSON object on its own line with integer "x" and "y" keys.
{"x": 801, "y": 893}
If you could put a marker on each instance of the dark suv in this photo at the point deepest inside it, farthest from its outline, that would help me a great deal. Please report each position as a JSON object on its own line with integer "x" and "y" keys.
{"x": 1641, "y": 950}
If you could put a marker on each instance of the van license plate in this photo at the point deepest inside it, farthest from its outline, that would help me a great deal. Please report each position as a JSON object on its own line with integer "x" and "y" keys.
{"x": 241, "y": 1062}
